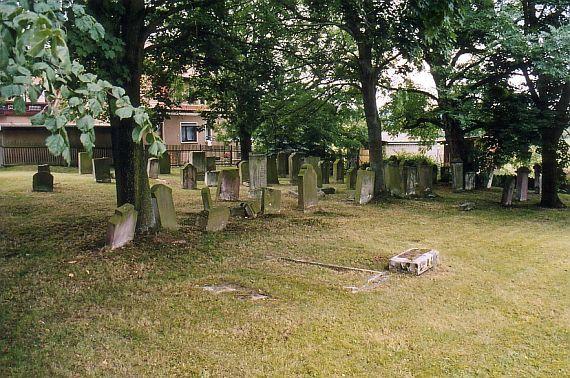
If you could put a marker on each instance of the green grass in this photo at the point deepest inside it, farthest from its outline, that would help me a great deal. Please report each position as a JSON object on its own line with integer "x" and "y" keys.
{"x": 499, "y": 304}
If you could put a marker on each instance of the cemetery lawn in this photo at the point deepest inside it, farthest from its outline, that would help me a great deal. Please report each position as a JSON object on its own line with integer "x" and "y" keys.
{"x": 499, "y": 304}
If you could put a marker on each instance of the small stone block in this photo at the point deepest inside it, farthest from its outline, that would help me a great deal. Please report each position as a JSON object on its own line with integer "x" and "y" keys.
{"x": 415, "y": 261}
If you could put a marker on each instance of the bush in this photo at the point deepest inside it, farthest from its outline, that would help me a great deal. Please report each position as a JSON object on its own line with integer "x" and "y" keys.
{"x": 411, "y": 159}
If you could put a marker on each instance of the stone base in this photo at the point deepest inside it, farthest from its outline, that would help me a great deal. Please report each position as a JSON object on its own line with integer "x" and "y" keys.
{"x": 415, "y": 261}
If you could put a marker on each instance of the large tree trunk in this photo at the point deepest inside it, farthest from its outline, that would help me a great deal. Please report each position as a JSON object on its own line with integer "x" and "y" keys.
{"x": 550, "y": 139}
{"x": 368, "y": 89}
{"x": 455, "y": 138}
{"x": 244, "y": 142}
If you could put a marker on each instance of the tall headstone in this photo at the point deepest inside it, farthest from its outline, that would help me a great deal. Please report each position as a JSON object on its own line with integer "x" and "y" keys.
{"x": 325, "y": 167}
{"x": 522, "y": 184}
{"x": 121, "y": 226}
{"x": 198, "y": 160}
{"x": 42, "y": 181}
{"x": 508, "y": 190}
{"x": 283, "y": 163}
{"x": 152, "y": 168}
{"x": 350, "y": 178}
{"x": 470, "y": 180}
{"x": 338, "y": 171}
{"x": 270, "y": 201}
{"x": 210, "y": 163}
{"x": 102, "y": 170}
{"x": 163, "y": 206}
{"x": 164, "y": 163}
{"x": 243, "y": 167}
{"x": 537, "y": 178}
{"x": 272, "y": 175}
{"x": 425, "y": 179}
{"x": 364, "y": 187}
{"x": 206, "y": 198}
{"x": 409, "y": 179}
{"x": 295, "y": 162}
{"x": 457, "y": 178}
{"x": 257, "y": 171}
{"x": 393, "y": 178}
{"x": 307, "y": 187}
{"x": 189, "y": 177}
{"x": 228, "y": 185}
{"x": 315, "y": 162}
{"x": 211, "y": 178}
{"x": 85, "y": 163}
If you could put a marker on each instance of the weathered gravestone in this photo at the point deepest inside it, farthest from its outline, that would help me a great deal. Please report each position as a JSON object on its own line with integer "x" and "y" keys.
{"x": 102, "y": 169}
{"x": 470, "y": 181}
{"x": 425, "y": 179}
{"x": 415, "y": 261}
{"x": 189, "y": 177}
{"x": 228, "y": 185}
{"x": 272, "y": 176}
{"x": 445, "y": 174}
{"x": 283, "y": 163}
{"x": 537, "y": 178}
{"x": 206, "y": 198}
{"x": 212, "y": 178}
{"x": 198, "y": 160}
{"x": 152, "y": 168}
{"x": 522, "y": 184}
{"x": 164, "y": 163}
{"x": 350, "y": 178}
{"x": 364, "y": 187}
{"x": 243, "y": 167}
{"x": 163, "y": 206}
{"x": 217, "y": 218}
{"x": 315, "y": 161}
{"x": 325, "y": 168}
{"x": 42, "y": 181}
{"x": 84, "y": 163}
{"x": 121, "y": 226}
{"x": 457, "y": 178}
{"x": 270, "y": 201}
{"x": 409, "y": 179}
{"x": 508, "y": 190}
{"x": 257, "y": 171}
{"x": 338, "y": 171}
{"x": 295, "y": 162}
{"x": 307, "y": 187}
{"x": 393, "y": 178}
{"x": 210, "y": 163}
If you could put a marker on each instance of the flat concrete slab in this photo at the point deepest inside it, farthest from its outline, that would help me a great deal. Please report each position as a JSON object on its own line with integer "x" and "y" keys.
{"x": 414, "y": 260}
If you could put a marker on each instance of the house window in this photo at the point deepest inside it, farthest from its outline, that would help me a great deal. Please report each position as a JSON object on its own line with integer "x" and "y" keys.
{"x": 188, "y": 132}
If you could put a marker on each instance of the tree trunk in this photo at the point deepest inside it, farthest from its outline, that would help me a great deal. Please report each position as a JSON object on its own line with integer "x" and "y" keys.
{"x": 244, "y": 142}
{"x": 368, "y": 89}
{"x": 550, "y": 139}
{"x": 455, "y": 137}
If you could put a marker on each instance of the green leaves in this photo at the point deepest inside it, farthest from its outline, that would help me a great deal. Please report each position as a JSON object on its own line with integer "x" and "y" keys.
{"x": 19, "y": 105}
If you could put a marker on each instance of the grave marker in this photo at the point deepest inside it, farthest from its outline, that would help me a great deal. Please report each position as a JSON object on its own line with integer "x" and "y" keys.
{"x": 522, "y": 184}
{"x": 272, "y": 175}
{"x": 350, "y": 178}
{"x": 283, "y": 163}
{"x": 210, "y": 163}
{"x": 295, "y": 162}
{"x": 364, "y": 187}
{"x": 457, "y": 178}
{"x": 212, "y": 178}
{"x": 121, "y": 226}
{"x": 189, "y": 177}
{"x": 164, "y": 163}
{"x": 42, "y": 181}
{"x": 325, "y": 167}
{"x": 508, "y": 190}
{"x": 537, "y": 178}
{"x": 152, "y": 168}
{"x": 271, "y": 201}
{"x": 409, "y": 179}
{"x": 217, "y": 218}
{"x": 228, "y": 185}
{"x": 469, "y": 181}
{"x": 257, "y": 172}
{"x": 85, "y": 163}
{"x": 243, "y": 167}
{"x": 163, "y": 206}
{"x": 307, "y": 187}
{"x": 198, "y": 160}
{"x": 338, "y": 171}
{"x": 102, "y": 170}
{"x": 315, "y": 162}
{"x": 206, "y": 198}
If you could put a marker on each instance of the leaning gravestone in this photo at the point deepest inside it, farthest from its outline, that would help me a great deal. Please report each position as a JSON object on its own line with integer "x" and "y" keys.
{"x": 164, "y": 163}
{"x": 393, "y": 178}
{"x": 338, "y": 171}
{"x": 295, "y": 162}
{"x": 457, "y": 179}
{"x": 206, "y": 198}
{"x": 537, "y": 178}
{"x": 228, "y": 185}
{"x": 315, "y": 162}
{"x": 470, "y": 181}
{"x": 364, "y": 187}
{"x": 508, "y": 190}
{"x": 42, "y": 181}
{"x": 243, "y": 167}
{"x": 212, "y": 178}
{"x": 272, "y": 175}
{"x": 350, "y": 178}
{"x": 85, "y": 163}
{"x": 121, "y": 226}
{"x": 163, "y": 206}
{"x": 210, "y": 163}
{"x": 270, "y": 201}
{"x": 409, "y": 179}
{"x": 189, "y": 177}
{"x": 522, "y": 184}
{"x": 152, "y": 168}
{"x": 283, "y": 163}
{"x": 217, "y": 218}
{"x": 198, "y": 160}
{"x": 307, "y": 187}
{"x": 257, "y": 172}
{"x": 102, "y": 170}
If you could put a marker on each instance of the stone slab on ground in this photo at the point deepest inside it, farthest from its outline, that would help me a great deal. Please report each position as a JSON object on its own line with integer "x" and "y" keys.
{"x": 414, "y": 260}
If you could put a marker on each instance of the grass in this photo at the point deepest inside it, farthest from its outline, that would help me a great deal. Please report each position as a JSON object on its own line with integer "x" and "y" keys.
{"x": 499, "y": 304}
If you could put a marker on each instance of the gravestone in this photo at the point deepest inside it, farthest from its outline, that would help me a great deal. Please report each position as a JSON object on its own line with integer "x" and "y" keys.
{"x": 272, "y": 175}
{"x": 393, "y": 178}
{"x": 457, "y": 178}
{"x": 415, "y": 261}
{"x": 102, "y": 169}
{"x": 325, "y": 168}
{"x": 163, "y": 206}
{"x": 350, "y": 178}
{"x": 307, "y": 187}
{"x": 445, "y": 174}
{"x": 537, "y": 178}
{"x": 198, "y": 160}
{"x": 189, "y": 177}
{"x": 228, "y": 185}
{"x": 42, "y": 181}
{"x": 425, "y": 179}
{"x": 522, "y": 184}
{"x": 508, "y": 190}
{"x": 121, "y": 226}
{"x": 206, "y": 198}
{"x": 152, "y": 168}
{"x": 470, "y": 181}
{"x": 211, "y": 178}
{"x": 217, "y": 218}
{"x": 164, "y": 163}
{"x": 283, "y": 163}
{"x": 338, "y": 171}
{"x": 314, "y": 161}
{"x": 210, "y": 163}
{"x": 243, "y": 167}
{"x": 295, "y": 163}
{"x": 257, "y": 171}
{"x": 84, "y": 163}
{"x": 409, "y": 179}
{"x": 364, "y": 187}
{"x": 270, "y": 201}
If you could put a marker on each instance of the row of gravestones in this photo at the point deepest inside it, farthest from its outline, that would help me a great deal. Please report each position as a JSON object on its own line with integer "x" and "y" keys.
{"x": 405, "y": 180}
